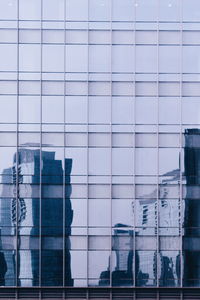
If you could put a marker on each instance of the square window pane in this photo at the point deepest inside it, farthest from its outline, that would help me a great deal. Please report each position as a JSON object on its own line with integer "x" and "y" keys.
{"x": 146, "y": 161}
{"x": 99, "y": 212}
{"x": 146, "y": 59}
{"x": 77, "y": 10}
{"x": 79, "y": 160}
{"x": 123, "y": 10}
{"x": 99, "y": 110}
{"x": 52, "y": 109}
{"x": 8, "y": 9}
{"x": 146, "y": 10}
{"x": 76, "y": 58}
{"x": 53, "y": 10}
{"x": 169, "y": 10}
{"x": 191, "y": 59}
{"x": 169, "y": 59}
{"x": 29, "y": 109}
{"x": 190, "y": 111}
{"x": 191, "y": 10}
{"x": 123, "y": 110}
{"x": 29, "y": 9}
{"x": 168, "y": 160}
{"x": 8, "y": 109}
{"x": 99, "y": 58}
{"x": 122, "y": 58}
{"x": 146, "y": 111}
{"x": 52, "y": 58}
{"x": 96, "y": 157}
{"x": 29, "y": 58}
{"x": 8, "y": 57}
{"x": 122, "y": 161}
{"x": 7, "y": 155}
{"x": 76, "y": 110}
{"x": 100, "y": 10}
{"x": 169, "y": 110}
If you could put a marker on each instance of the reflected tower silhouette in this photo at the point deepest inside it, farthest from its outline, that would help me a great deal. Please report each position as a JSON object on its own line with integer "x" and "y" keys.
{"x": 39, "y": 217}
{"x": 191, "y": 244}
{"x": 122, "y": 246}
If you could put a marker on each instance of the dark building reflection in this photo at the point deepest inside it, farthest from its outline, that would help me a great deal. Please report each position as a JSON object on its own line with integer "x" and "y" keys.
{"x": 39, "y": 216}
{"x": 121, "y": 263}
{"x": 191, "y": 243}
{"x": 159, "y": 215}
{"x": 141, "y": 258}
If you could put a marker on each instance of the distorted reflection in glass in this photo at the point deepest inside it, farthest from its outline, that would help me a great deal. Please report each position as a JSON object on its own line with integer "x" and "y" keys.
{"x": 191, "y": 245}
{"x": 20, "y": 215}
{"x": 169, "y": 268}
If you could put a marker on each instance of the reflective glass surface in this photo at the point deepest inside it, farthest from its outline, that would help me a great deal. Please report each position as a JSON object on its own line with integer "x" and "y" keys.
{"x": 99, "y": 143}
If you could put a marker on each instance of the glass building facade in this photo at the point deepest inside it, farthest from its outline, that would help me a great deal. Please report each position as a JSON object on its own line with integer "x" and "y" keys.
{"x": 100, "y": 144}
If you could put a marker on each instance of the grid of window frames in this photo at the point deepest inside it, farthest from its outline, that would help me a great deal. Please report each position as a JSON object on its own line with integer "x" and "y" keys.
{"x": 99, "y": 118}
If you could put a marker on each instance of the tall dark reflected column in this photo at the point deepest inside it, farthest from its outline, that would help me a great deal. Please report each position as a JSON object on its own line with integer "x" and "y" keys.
{"x": 52, "y": 221}
{"x": 22, "y": 212}
{"x": 191, "y": 245}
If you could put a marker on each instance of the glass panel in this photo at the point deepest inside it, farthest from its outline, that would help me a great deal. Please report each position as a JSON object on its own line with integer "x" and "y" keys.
{"x": 122, "y": 110}
{"x": 99, "y": 10}
{"x": 29, "y": 109}
{"x": 99, "y": 110}
{"x": 49, "y": 106}
{"x": 146, "y": 59}
{"x": 28, "y": 268}
{"x": 76, "y": 110}
{"x": 99, "y": 267}
{"x": 29, "y": 57}
{"x": 99, "y": 58}
{"x": 74, "y": 14}
{"x": 52, "y": 58}
{"x": 146, "y": 111}
{"x": 8, "y": 9}
{"x": 76, "y": 57}
{"x": 122, "y": 266}
{"x": 170, "y": 274}
{"x": 146, "y": 161}
{"x": 96, "y": 156}
{"x": 30, "y": 10}
{"x": 122, "y": 212}
{"x": 99, "y": 212}
{"x": 122, "y": 162}
{"x": 8, "y": 61}
{"x": 169, "y": 10}
{"x": 169, "y": 59}
{"x": 146, "y": 268}
{"x": 122, "y": 58}
{"x": 191, "y": 10}
{"x": 53, "y": 10}
{"x": 123, "y": 11}
{"x": 146, "y": 10}
{"x": 52, "y": 267}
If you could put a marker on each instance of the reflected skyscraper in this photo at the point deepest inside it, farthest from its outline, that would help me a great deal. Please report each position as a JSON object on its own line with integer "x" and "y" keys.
{"x": 121, "y": 265}
{"x": 192, "y": 208}
{"x": 38, "y": 218}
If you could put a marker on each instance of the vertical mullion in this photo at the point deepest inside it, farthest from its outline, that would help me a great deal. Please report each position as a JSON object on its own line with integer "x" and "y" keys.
{"x": 134, "y": 152}
{"x": 17, "y": 158}
{"x": 87, "y": 181}
{"x": 40, "y": 163}
{"x": 181, "y": 143}
{"x": 157, "y": 152}
{"x": 64, "y": 167}
{"x": 111, "y": 229}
